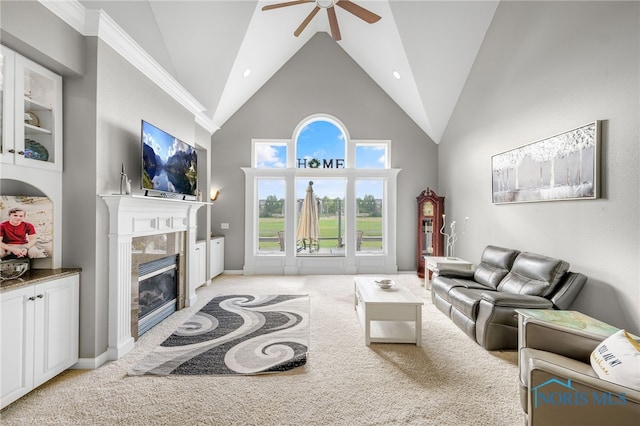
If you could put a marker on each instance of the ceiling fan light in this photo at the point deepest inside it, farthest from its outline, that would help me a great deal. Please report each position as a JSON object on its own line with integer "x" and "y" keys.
{"x": 396, "y": 74}
{"x": 325, "y": 3}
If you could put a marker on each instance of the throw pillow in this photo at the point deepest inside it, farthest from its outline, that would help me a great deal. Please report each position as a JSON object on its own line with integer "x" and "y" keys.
{"x": 617, "y": 359}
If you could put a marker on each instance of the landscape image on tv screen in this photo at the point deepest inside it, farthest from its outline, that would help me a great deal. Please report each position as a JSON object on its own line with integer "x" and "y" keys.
{"x": 168, "y": 164}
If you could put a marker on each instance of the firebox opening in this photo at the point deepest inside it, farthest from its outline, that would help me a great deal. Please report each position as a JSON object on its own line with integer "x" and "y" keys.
{"x": 158, "y": 291}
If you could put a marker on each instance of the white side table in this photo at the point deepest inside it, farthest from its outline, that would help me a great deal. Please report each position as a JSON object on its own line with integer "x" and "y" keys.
{"x": 432, "y": 263}
{"x": 568, "y": 322}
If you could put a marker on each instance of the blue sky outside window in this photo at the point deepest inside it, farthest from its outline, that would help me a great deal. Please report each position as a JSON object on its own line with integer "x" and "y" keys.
{"x": 323, "y": 141}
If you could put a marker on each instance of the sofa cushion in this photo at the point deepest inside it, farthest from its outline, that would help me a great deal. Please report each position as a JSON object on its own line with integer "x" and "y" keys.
{"x": 494, "y": 265}
{"x": 533, "y": 274}
{"x": 466, "y": 300}
{"x": 617, "y": 359}
{"x": 443, "y": 285}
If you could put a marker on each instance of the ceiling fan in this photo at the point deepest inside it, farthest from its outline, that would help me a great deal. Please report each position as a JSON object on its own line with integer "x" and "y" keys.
{"x": 347, "y": 5}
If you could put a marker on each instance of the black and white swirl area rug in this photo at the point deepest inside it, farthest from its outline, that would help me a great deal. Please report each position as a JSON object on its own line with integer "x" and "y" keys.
{"x": 235, "y": 334}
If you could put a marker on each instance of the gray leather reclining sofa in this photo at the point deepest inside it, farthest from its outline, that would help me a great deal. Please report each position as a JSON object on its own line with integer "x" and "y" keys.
{"x": 482, "y": 302}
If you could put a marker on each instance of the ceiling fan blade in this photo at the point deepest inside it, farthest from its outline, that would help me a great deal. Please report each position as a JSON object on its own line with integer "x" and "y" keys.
{"x": 285, "y": 4}
{"x": 333, "y": 24}
{"x": 306, "y": 21}
{"x": 359, "y": 11}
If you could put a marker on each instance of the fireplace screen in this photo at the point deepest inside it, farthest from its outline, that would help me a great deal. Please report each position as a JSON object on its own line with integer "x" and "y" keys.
{"x": 158, "y": 285}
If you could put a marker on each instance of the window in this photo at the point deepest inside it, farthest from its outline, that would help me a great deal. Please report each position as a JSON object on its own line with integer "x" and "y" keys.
{"x": 329, "y": 195}
{"x": 271, "y": 215}
{"x": 269, "y": 154}
{"x": 369, "y": 215}
{"x": 372, "y": 155}
{"x": 320, "y": 144}
{"x": 355, "y": 192}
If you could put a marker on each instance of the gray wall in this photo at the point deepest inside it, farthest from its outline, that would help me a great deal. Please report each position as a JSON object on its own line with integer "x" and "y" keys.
{"x": 103, "y": 109}
{"x": 544, "y": 68}
{"x": 79, "y": 182}
{"x": 62, "y": 53}
{"x": 320, "y": 78}
{"x": 123, "y": 97}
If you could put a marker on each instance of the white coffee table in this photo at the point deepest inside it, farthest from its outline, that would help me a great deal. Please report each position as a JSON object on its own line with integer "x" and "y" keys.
{"x": 387, "y": 316}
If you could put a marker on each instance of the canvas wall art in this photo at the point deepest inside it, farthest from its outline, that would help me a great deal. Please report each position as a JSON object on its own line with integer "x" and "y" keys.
{"x": 562, "y": 167}
{"x": 23, "y": 218}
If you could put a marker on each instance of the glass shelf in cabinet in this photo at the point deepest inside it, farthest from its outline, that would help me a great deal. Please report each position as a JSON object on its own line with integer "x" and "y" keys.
{"x": 29, "y": 129}
{"x": 34, "y": 105}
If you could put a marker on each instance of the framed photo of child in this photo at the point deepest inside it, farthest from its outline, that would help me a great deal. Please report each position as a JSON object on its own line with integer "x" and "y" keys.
{"x": 26, "y": 227}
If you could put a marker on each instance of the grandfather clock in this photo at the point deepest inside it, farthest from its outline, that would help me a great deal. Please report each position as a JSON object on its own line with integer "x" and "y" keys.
{"x": 430, "y": 241}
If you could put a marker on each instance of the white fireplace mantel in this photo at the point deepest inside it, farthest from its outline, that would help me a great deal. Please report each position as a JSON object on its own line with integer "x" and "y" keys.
{"x": 135, "y": 216}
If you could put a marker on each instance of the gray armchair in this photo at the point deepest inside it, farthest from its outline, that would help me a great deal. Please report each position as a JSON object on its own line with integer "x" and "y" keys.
{"x": 558, "y": 385}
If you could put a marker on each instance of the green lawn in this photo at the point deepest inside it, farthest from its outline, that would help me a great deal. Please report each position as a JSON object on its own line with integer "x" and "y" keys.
{"x": 371, "y": 226}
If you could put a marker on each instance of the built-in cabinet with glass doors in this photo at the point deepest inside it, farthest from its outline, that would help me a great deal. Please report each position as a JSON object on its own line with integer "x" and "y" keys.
{"x": 31, "y": 113}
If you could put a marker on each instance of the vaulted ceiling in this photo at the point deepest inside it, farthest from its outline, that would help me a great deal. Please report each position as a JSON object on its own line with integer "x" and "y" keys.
{"x": 207, "y": 46}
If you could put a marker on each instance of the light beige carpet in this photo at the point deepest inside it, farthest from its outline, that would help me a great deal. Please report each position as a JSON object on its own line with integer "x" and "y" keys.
{"x": 448, "y": 380}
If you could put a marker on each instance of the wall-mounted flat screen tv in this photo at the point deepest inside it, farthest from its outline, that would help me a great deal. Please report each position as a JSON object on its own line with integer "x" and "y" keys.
{"x": 168, "y": 164}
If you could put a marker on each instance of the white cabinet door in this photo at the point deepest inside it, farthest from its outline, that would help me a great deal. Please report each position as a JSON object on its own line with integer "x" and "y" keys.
{"x": 39, "y": 335}
{"x": 31, "y": 113}
{"x": 7, "y": 149}
{"x": 56, "y": 328}
{"x": 37, "y": 115}
{"x": 200, "y": 265}
{"x": 217, "y": 256}
{"x": 16, "y": 343}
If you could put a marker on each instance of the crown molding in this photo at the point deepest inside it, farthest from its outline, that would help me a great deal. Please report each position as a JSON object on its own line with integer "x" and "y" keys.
{"x": 99, "y": 24}
{"x": 71, "y": 12}
{"x": 207, "y": 123}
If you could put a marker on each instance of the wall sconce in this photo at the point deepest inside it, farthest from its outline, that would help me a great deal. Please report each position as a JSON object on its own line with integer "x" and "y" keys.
{"x": 214, "y": 195}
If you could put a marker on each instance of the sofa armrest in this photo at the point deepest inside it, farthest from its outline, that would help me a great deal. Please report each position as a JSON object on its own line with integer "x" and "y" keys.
{"x": 497, "y": 321}
{"x": 550, "y": 337}
{"x": 502, "y": 299}
{"x": 454, "y": 273}
{"x": 593, "y": 400}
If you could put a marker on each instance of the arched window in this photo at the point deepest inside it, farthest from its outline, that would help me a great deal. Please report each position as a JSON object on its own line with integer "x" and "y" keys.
{"x": 320, "y": 144}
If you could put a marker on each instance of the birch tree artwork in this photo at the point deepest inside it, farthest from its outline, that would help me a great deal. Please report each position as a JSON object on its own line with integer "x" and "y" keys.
{"x": 561, "y": 167}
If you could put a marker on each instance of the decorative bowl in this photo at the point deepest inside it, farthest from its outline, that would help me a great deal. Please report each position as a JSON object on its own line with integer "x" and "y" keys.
{"x": 35, "y": 150}
{"x": 31, "y": 118}
{"x": 12, "y": 269}
{"x": 385, "y": 284}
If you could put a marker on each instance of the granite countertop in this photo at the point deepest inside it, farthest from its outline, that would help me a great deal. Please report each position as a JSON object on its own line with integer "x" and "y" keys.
{"x": 35, "y": 276}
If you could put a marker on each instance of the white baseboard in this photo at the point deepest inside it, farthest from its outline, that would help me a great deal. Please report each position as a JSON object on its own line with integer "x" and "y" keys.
{"x": 91, "y": 363}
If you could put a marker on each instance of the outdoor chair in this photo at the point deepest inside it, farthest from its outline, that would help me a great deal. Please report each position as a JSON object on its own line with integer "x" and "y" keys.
{"x": 281, "y": 240}
{"x": 305, "y": 244}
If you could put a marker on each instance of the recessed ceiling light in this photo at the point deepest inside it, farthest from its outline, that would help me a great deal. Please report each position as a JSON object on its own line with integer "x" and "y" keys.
{"x": 396, "y": 74}
{"x": 246, "y": 72}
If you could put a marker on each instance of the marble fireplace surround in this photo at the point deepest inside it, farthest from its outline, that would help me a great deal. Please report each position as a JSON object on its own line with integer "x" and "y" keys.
{"x": 132, "y": 216}
{"x": 147, "y": 249}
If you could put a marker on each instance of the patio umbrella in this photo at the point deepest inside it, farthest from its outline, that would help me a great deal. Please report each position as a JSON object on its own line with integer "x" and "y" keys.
{"x": 308, "y": 224}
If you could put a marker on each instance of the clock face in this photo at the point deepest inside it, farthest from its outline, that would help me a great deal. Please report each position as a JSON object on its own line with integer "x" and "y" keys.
{"x": 427, "y": 209}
